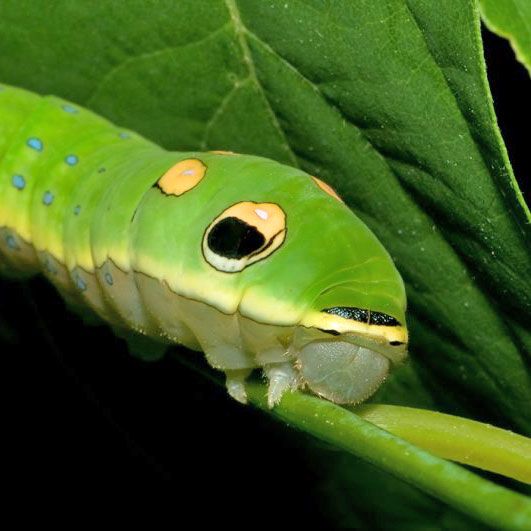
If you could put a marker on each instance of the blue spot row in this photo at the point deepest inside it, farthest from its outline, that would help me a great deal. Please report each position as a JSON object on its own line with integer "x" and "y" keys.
{"x": 71, "y": 160}
{"x": 124, "y": 135}
{"x": 69, "y": 109}
{"x": 11, "y": 242}
{"x": 47, "y": 198}
{"x": 35, "y": 143}
{"x": 80, "y": 283}
{"x": 48, "y": 266}
{"x": 77, "y": 210}
{"x": 18, "y": 182}
{"x": 109, "y": 279}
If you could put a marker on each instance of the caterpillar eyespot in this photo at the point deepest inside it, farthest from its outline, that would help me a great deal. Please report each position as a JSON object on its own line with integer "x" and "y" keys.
{"x": 182, "y": 177}
{"x": 221, "y": 152}
{"x": 258, "y": 264}
{"x": 244, "y": 234}
{"x": 326, "y": 188}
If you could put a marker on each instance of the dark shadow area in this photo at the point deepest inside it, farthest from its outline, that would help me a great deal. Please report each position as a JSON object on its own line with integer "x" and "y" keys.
{"x": 84, "y": 418}
{"x": 510, "y": 86}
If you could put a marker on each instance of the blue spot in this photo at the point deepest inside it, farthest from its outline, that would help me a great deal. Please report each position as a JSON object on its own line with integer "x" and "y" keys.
{"x": 124, "y": 135}
{"x": 18, "y": 182}
{"x": 48, "y": 267}
{"x": 71, "y": 160}
{"x": 47, "y": 198}
{"x": 102, "y": 170}
{"x": 69, "y": 109}
{"x": 80, "y": 283}
{"x": 35, "y": 143}
{"x": 11, "y": 242}
{"x": 109, "y": 279}
{"x": 77, "y": 210}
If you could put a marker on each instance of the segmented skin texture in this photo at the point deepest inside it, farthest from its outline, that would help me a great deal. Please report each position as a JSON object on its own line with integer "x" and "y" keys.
{"x": 235, "y": 255}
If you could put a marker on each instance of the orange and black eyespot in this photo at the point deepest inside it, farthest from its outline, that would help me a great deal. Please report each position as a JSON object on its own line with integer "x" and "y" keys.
{"x": 327, "y": 188}
{"x": 182, "y": 177}
{"x": 363, "y": 316}
{"x": 244, "y": 234}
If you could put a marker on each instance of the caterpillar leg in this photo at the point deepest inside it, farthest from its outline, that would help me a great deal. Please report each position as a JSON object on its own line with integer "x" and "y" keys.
{"x": 282, "y": 377}
{"x": 88, "y": 316}
{"x": 235, "y": 383}
{"x": 142, "y": 347}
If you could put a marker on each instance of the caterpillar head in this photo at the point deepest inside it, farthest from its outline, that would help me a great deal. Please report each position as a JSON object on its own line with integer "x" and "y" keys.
{"x": 354, "y": 356}
{"x": 354, "y": 332}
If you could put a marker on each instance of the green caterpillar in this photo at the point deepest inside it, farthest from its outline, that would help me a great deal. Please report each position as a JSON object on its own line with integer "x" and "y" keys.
{"x": 255, "y": 263}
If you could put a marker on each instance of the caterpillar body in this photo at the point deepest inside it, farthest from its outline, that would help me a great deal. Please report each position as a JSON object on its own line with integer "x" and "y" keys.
{"x": 257, "y": 264}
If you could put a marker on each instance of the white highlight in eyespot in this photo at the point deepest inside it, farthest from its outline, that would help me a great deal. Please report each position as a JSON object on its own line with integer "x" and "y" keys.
{"x": 262, "y": 214}
{"x": 188, "y": 172}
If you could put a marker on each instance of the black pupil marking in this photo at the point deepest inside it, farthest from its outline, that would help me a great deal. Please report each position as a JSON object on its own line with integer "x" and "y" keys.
{"x": 396, "y": 343}
{"x": 233, "y": 238}
{"x": 364, "y": 316}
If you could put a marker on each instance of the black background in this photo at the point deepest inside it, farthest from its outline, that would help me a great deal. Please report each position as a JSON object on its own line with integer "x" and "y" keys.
{"x": 88, "y": 429}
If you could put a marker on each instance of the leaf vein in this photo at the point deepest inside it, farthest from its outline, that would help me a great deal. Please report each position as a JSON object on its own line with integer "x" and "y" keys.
{"x": 241, "y": 30}
{"x": 123, "y": 64}
{"x": 220, "y": 109}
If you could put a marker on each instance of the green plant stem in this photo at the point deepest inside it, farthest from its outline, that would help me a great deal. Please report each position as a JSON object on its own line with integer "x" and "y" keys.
{"x": 456, "y": 438}
{"x": 490, "y": 503}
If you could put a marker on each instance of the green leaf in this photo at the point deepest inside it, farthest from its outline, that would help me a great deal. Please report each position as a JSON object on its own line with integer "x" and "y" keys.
{"x": 389, "y": 102}
{"x": 511, "y": 19}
